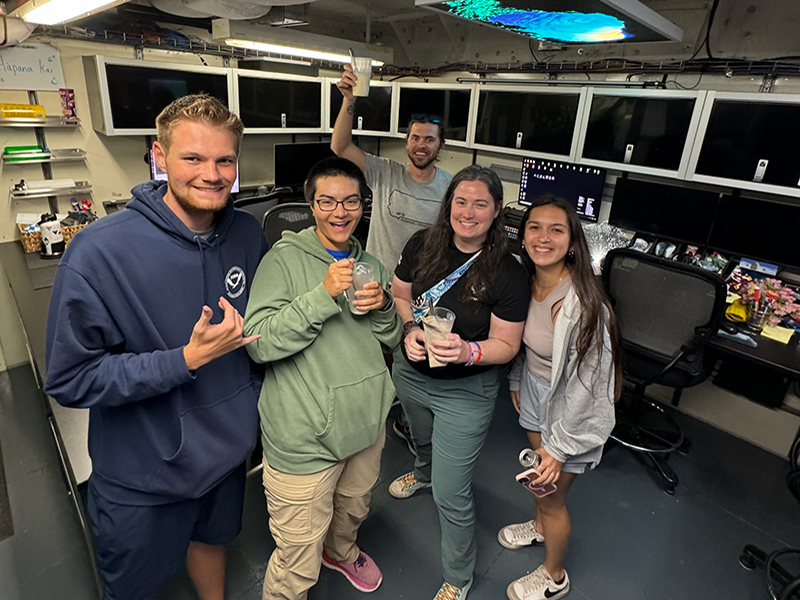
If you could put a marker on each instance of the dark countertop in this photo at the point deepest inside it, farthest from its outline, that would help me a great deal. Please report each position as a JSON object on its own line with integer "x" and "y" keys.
{"x": 41, "y": 270}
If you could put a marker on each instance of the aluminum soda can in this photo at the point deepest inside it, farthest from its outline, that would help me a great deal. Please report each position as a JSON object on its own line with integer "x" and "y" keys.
{"x": 529, "y": 459}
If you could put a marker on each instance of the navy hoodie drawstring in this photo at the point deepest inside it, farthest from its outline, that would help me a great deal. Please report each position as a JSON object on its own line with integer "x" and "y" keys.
{"x": 199, "y": 241}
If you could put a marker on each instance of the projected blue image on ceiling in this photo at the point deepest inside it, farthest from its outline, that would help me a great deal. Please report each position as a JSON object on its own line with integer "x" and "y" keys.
{"x": 574, "y": 27}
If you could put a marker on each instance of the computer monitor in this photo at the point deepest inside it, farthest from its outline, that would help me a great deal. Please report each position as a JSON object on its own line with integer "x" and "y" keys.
{"x": 757, "y": 229}
{"x": 743, "y": 136}
{"x": 665, "y": 211}
{"x": 157, "y": 173}
{"x": 294, "y": 161}
{"x": 579, "y": 185}
{"x": 565, "y": 21}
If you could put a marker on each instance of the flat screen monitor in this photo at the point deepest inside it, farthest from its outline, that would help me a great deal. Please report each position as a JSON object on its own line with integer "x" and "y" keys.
{"x": 757, "y": 229}
{"x": 450, "y": 106}
{"x": 527, "y": 120}
{"x": 372, "y": 113}
{"x": 579, "y": 185}
{"x": 294, "y": 161}
{"x": 665, "y": 211}
{"x": 643, "y": 131}
{"x": 138, "y": 94}
{"x": 565, "y": 21}
{"x": 741, "y": 136}
{"x": 276, "y": 103}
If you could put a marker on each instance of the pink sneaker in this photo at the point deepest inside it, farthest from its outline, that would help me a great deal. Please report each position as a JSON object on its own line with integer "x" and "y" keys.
{"x": 363, "y": 573}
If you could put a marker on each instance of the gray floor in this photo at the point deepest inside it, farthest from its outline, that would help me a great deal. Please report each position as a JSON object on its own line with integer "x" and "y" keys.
{"x": 630, "y": 540}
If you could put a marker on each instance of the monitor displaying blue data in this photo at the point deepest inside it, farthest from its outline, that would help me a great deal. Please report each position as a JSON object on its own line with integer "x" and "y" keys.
{"x": 579, "y": 185}
{"x": 565, "y": 21}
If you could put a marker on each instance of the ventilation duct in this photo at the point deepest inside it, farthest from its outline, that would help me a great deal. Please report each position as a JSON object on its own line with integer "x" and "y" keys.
{"x": 14, "y": 31}
{"x": 226, "y": 9}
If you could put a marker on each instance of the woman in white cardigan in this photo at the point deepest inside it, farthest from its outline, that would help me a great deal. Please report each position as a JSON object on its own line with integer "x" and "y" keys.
{"x": 564, "y": 385}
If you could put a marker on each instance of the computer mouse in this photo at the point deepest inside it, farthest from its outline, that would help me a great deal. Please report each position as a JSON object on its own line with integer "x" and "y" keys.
{"x": 729, "y": 327}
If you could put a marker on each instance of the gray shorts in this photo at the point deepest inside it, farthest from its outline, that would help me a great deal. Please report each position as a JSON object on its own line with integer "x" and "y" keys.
{"x": 533, "y": 409}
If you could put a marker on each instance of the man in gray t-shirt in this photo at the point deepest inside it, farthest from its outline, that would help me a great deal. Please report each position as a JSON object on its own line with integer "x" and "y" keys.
{"x": 406, "y": 198}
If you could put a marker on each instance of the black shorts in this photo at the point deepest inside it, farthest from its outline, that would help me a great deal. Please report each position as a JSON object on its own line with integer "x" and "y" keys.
{"x": 139, "y": 548}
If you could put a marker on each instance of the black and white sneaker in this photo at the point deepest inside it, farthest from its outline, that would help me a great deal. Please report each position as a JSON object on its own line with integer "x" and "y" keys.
{"x": 538, "y": 585}
{"x": 403, "y": 430}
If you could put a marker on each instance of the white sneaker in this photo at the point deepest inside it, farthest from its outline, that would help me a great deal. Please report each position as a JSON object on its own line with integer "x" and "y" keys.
{"x": 538, "y": 586}
{"x": 406, "y": 485}
{"x": 451, "y": 592}
{"x": 519, "y": 535}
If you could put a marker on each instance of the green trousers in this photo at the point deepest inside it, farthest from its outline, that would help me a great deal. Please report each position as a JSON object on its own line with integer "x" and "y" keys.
{"x": 449, "y": 419}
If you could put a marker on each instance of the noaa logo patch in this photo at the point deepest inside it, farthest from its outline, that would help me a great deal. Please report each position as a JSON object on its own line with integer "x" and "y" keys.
{"x": 234, "y": 282}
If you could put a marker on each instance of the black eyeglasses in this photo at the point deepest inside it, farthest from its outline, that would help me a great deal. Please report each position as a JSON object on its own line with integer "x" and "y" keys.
{"x": 328, "y": 205}
{"x": 425, "y": 117}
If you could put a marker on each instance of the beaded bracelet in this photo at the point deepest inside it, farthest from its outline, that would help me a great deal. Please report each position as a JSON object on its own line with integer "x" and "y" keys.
{"x": 408, "y": 326}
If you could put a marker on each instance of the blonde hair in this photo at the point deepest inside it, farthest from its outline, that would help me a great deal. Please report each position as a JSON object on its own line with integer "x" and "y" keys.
{"x": 197, "y": 107}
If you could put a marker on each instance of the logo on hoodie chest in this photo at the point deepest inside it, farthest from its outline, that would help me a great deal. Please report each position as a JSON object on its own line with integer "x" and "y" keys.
{"x": 235, "y": 282}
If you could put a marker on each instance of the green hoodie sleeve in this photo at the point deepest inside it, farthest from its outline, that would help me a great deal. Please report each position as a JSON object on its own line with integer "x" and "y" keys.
{"x": 287, "y": 323}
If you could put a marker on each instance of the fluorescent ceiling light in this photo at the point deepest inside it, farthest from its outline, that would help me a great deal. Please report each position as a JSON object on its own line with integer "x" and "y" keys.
{"x": 292, "y": 51}
{"x": 52, "y": 12}
{"x": 293, "y": 43}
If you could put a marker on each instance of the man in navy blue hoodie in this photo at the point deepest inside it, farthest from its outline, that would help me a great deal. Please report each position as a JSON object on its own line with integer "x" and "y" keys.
{"x": 145, "y": 330}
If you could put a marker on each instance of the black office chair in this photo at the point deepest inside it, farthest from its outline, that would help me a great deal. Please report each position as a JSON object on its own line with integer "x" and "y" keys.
{"x": 292, "y": 216}
{"x": 259, "y": 205}
{"x": 666, "y": 311}
{"x": 782, "y": 584}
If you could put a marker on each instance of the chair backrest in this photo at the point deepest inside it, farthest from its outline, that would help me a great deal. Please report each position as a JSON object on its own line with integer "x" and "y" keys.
{"x": 659, "y": 303}
{"x": 259, "y": 205}
{"x": 292, "y": 216}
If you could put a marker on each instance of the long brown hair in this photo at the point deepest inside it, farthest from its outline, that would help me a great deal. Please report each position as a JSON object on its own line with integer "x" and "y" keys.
{"x": 590, "y": 293}
{"x": 432, "y": 263}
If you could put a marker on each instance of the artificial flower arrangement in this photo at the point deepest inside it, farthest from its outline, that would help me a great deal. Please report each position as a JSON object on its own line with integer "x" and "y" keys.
{"x": 780, "y": 300}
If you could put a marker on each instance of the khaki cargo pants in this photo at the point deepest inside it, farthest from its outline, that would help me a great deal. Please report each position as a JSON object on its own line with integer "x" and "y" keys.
{"x": 310, "y": 512}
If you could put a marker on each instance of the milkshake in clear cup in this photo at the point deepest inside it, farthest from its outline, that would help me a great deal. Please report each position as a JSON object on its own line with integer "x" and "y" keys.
{"x": 363, "y": 273}
{"x": 437, "y": 325}
{"x": 362, "y": 67}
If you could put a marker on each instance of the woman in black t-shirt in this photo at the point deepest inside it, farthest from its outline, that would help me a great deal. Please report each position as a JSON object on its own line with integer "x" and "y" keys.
{"x": 461, "y": 263}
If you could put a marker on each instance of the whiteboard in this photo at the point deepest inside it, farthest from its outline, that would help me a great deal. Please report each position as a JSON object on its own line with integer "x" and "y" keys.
{"x": 31, "y": 67}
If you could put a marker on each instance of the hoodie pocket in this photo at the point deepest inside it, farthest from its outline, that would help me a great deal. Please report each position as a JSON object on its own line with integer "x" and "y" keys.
{"x": 215, "y": 438}
{"x": 356, "y": 413}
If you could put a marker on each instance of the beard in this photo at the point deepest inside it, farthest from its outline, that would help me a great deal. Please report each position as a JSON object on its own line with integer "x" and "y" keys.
{"x": 193, "y": 206}
{"x": 423, "y": 163}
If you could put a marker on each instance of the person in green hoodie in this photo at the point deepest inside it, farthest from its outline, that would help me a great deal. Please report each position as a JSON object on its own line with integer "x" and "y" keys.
{"x": 326, "y": 392}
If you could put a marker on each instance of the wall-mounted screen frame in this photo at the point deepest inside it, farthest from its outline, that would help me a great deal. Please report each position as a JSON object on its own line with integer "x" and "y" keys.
{"x": 580, "y": 93}
{"x": 407, "y": 109}
{"x": 565, "y": 21}
{"x": 242, "y": 103}
{"x": 332, "y": 102}
{"x": 699, "y": 99}
{"x": 745, "y": 184}
{"x": 100, "y": 96}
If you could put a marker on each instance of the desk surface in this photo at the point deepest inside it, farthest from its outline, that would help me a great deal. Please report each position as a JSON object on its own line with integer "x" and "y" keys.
{"x": 782, "y": 357}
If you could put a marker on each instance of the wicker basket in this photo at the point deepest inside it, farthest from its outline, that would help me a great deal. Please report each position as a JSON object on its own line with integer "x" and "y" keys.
{"x": 31, "y": 240}
{"x": 70, "y": 230}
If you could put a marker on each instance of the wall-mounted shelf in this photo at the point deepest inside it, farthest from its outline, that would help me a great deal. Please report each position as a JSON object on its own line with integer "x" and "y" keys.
{"x": 80, "y": 187}
{"x": 46, "y": 122}
{"x": 54, "y": 156}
